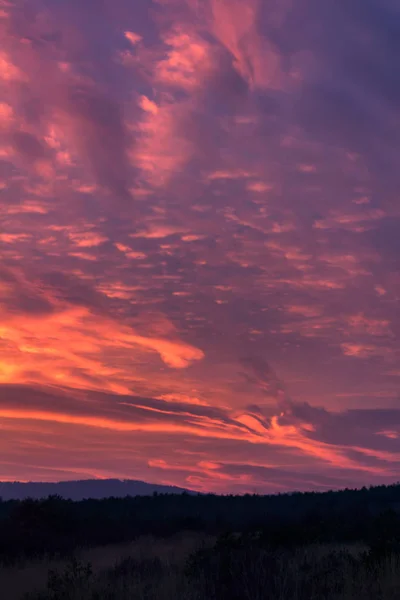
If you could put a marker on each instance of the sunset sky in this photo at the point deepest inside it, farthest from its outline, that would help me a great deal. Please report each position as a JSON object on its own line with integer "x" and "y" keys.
{"x": 200, "y": 242}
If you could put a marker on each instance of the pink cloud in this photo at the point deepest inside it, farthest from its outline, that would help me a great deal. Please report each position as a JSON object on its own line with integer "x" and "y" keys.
{"x": 199, "y": 244}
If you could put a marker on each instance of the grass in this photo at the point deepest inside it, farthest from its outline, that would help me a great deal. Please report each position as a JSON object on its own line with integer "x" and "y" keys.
{"x": 198, "y": 567}
{"x": 17, "y": 581}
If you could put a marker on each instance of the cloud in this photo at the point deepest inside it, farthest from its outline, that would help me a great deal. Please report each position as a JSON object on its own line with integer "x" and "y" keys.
{"x": 163, "y": 147}
{"x": 96, "y": 129}
{"x": 255, "y": 58}
{"x": 360, "y": 428}
{"x": 199, "y": 242}
{"x": 321, "y": 444}
{"x": 187, "y": 57}
{"x": 68, "y": 344}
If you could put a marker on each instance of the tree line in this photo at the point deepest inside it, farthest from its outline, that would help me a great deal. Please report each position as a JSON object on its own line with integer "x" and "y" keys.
{"x": 55, "y": 526}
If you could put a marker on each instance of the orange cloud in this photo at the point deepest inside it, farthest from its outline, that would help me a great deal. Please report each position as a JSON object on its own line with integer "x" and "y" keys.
{"x": 70, "y": 347}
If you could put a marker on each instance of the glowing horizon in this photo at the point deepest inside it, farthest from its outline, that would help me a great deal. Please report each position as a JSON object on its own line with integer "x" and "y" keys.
{"x": 199, "y": 243}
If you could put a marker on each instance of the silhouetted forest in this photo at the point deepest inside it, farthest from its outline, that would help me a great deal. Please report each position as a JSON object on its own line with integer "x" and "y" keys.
{"x": 54, "y": 526}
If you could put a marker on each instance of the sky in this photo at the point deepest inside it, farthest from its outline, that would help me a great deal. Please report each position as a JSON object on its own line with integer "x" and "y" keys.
{"x": 200, "y": 242}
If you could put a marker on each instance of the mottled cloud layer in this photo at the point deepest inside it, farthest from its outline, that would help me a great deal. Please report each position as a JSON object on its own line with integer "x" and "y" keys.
{"x": 199, "y": 242}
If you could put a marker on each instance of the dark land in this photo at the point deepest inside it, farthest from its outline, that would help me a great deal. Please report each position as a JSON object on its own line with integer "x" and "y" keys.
{"x": 301, "y": 546}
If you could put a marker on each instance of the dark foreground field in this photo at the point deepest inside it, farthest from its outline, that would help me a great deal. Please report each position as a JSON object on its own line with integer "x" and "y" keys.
{"x": 192, "y": 567}
{"x": 335, "y": 546}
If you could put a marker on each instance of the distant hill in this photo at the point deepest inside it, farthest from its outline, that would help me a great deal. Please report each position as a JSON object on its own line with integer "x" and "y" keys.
{"x": 89, "y": 488}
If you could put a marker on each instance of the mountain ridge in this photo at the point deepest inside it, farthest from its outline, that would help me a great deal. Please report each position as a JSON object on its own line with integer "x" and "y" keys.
{"x": 82, "y": 489}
